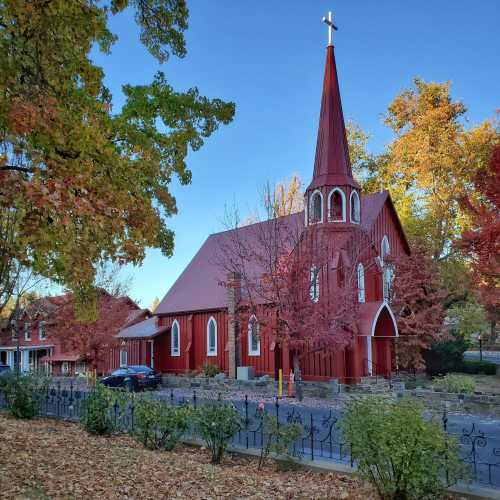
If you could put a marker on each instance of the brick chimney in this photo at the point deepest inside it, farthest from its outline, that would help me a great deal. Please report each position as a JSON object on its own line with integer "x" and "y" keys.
{"x": 233, "y": 299}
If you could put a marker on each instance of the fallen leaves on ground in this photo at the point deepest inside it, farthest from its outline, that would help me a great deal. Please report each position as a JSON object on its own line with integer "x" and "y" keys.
{"x": 43, "y": 459}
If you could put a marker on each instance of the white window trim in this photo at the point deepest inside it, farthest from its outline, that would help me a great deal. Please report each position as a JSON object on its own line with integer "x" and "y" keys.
{"x": 214, "y": 352}
{"x": 27, "y": 330}
{"x": 178, "y": 352}
{"x": 253, "y": 352}
{"x": 342, "y": 194}
{"x": 123, "y": 356}
{"x": 42, "y": 327}
{"x": 361, "y": 283}
{"x": 310, "y": 202}
{"x": 314, "y": 298}
{"x": 385, "y": 239}
{"x": 355, "y": 193}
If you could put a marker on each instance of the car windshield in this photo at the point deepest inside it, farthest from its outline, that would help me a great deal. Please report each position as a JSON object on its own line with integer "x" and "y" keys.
{"x": 121, "y": 371}
{"x": 140, "y": 369}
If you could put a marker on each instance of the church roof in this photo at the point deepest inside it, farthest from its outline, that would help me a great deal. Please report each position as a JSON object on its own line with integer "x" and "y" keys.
{"x": 331, "y": 165}
{"x": 200, "y": 287}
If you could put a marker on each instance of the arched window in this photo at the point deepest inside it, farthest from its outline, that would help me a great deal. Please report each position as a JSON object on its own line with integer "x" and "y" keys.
{"x": 387, "y": 270}
{"x": 253, "y": 336}
{"x": 175, "y": 339}
{"x": 355, "y": 208}
{"x": 385, "y": 248}
{"x": 316, "y": 208}
{"x": 212, "y": 337}
{"x": 314, "y": 284}
{"x": 336, "y": 205}
{"x": 361, "y": 283}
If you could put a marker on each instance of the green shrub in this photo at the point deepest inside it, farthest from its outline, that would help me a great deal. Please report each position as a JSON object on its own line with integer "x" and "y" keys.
{"x": 98, "y": 413}
{"x": 24, "y": 394}
{"x": 446, "y": 356}
{"x": 454, "y": 383}
{"x": 279, "y": 438}
{"x": 217, "y": 422}
{"x": 403, "y": 455}
{"x": 473, "y": 367}
{"x": 159, "y": 426}
{"x": 210, "y": 370}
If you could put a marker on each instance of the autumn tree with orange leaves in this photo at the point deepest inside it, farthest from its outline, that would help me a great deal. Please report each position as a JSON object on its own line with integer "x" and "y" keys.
{"x": 88, "y": 183}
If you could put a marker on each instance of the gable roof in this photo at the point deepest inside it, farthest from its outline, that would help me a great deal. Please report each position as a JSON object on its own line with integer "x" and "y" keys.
{"x": 148, "y": 328}
{"x": 199, "y": 286}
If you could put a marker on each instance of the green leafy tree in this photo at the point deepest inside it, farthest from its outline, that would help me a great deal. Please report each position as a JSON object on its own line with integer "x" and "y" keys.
{"x": 88, "y": 183}
{"x": 468, "y": 319}
{"x": 404, "y": 456}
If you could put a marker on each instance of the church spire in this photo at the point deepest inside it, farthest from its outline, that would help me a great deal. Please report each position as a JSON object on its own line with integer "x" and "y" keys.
{"x": 332, "y": 165}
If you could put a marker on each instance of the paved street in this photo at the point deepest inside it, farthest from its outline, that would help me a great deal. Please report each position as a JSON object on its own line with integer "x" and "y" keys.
{"x": 491, "y": 356}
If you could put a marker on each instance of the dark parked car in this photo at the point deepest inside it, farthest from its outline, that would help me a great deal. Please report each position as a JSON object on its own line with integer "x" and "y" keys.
{"x": 133, "y": 378}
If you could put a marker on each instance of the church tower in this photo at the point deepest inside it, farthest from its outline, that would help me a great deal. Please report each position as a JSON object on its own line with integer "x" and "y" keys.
{"x": 332, "y": 199}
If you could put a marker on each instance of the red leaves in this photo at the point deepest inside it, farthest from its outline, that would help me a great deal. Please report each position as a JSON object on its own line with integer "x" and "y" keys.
{"x": 418, "y": 305}
{"x": 481, "y": 244}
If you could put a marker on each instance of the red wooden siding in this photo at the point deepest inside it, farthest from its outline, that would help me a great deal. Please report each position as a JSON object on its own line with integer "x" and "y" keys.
{"x": 193, "y": 342}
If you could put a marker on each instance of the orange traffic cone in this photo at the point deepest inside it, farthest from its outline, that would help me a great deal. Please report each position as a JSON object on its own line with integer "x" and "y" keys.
{"x": 291, "y": 381}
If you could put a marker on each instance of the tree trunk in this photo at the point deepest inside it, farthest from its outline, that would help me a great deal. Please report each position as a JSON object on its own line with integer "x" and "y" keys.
{"x": 297, "y": 377}
{"x": 493, "y": 332}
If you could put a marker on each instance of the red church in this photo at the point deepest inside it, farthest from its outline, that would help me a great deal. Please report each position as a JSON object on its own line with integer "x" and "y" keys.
{"x": 198, "y": 320}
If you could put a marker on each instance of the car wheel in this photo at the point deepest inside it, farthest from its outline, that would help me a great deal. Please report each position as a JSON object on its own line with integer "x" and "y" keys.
{"x": 129, "y": 386}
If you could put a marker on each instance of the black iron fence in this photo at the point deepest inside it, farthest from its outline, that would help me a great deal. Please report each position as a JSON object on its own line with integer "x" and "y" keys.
{"x": 321, "y": 438}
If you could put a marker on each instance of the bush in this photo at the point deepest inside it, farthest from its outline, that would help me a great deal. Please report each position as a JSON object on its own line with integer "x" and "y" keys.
{"x": 403, "y": 455}
{"x": 454, "y": 383}
{"x": 474, "y": 367}
{"x": 217, "y": 422}
{"x": 210, "y": 370}
{"x": 279, "y": 438}
{"x": 97, "y": 414}
{"x": 159, "y": 426}
{"x": 24, "y": 394}
{"x": 446, "y": 356}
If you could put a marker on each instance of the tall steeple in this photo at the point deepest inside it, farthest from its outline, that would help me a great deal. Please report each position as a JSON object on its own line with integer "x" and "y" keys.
{"x": 332, "y": 167}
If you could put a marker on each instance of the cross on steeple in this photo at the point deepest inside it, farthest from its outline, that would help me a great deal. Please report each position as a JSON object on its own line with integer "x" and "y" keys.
{"x": 331, "y": 27}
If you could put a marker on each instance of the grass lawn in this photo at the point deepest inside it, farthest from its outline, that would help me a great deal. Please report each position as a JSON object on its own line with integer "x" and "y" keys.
{"x": 52, "y": 459}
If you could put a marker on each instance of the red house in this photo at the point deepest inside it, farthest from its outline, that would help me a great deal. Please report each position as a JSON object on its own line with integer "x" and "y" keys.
{"x": 198, "y": 320}
{"x": 51, "y": 340}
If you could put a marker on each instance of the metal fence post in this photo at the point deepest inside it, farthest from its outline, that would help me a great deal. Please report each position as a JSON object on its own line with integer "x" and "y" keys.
{"x": 194, "y": 399}
{"x": 246, "y": 419}
{"x": 312, "y": 436}
{"x": 172, "y": 397}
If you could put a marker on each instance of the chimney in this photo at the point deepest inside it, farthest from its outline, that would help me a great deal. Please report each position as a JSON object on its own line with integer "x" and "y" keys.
{"x": 233, "y": 299}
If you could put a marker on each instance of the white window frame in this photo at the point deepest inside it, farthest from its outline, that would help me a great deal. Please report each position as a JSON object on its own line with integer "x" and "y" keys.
{"x": 123, "y": 357}
{"x": 27, "y": 332}
{"x": 175, "y": 353}
{"x": 361, "y": 283}
{"x": 253, "y": 321}
{"x": 311, "y": 206}
{"x": 314, "y": 288}
{"x": 385, "y": 248}
{"x": 213, "y": 352}
{"x": 42, "y": 333}
{"x": 357, "y": 206}
{"x": 330, "y": 196}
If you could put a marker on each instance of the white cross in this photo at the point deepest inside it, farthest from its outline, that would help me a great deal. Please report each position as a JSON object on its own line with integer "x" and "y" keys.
{"x": 331, "y": 27}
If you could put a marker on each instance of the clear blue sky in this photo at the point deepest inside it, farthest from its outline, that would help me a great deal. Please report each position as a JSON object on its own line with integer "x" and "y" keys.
{"x": 268, "y": 57}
